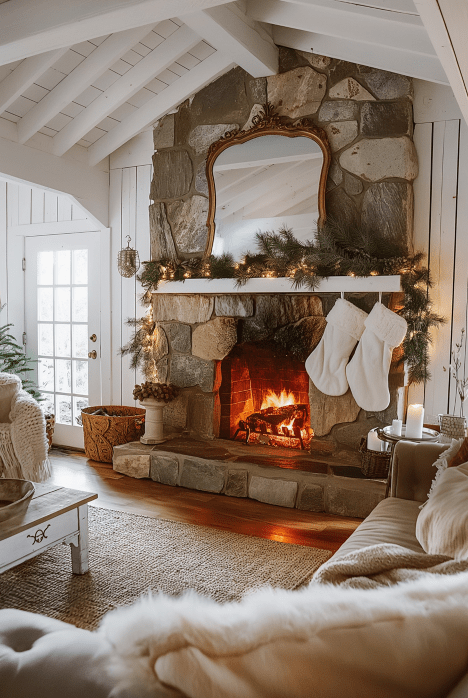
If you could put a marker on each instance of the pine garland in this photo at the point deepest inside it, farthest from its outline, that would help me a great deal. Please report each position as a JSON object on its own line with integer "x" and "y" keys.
{"x": 338, "y": 249}
{"x": 145, "y": 345}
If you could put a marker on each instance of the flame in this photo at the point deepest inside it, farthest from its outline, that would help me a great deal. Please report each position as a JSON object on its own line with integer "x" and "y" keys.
{"x": 272, "y": 399}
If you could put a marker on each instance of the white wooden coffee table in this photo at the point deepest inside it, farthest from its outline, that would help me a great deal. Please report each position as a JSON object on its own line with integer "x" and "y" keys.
{"x": 55, "y": 515}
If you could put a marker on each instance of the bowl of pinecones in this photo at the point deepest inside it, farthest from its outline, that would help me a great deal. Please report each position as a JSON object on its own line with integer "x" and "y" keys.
{"x": 159, "y": 392}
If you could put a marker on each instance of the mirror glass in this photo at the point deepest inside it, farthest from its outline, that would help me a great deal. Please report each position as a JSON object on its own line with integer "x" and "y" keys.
{"x": 262, "y": 185}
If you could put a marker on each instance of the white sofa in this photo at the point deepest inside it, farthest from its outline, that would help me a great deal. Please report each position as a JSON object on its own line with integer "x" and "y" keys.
{"x": 44, "y": 658}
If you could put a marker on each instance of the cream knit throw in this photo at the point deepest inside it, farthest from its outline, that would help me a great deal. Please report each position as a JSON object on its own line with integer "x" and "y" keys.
{"x": 384, "y": 564}
{"x": 23, "y": 443}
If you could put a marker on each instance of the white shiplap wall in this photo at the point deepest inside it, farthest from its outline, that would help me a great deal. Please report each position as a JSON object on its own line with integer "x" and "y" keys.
{"x": 441, "y": 230}
{"x": 128, "y": 209}
{"x": 23, "y": 205}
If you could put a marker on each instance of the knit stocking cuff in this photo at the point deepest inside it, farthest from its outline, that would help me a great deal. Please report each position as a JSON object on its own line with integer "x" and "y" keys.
{"x": 347, "y": 318}
{"x": 386, "y": 325}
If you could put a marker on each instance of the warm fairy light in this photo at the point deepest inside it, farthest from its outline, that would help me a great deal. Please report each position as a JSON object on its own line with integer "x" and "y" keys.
{"x": 374, "y": 273}
{"x": 187, "y": 275}
{"x": 350, "y": 273}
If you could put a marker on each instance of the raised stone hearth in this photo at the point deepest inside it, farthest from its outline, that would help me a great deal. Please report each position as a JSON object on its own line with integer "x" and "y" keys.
{"x": 274, "y": 476}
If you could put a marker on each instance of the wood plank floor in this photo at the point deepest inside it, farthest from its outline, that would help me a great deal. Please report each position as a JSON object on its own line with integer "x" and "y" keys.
{"x": 148, "y": 498}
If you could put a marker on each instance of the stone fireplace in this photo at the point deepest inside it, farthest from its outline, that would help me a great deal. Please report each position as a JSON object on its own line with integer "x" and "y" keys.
{"x": 227, "y": 349}
{"x": 227, "y": 352}
{"x": 230, "y": 354}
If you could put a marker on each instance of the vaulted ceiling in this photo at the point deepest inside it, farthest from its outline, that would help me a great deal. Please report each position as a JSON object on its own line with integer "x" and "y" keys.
{"x": 91, "y": 74}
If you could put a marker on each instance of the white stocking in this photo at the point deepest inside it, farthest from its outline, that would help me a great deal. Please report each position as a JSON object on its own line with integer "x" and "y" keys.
{"x": 326, "y": 365}
{"x": 367, "y": 372}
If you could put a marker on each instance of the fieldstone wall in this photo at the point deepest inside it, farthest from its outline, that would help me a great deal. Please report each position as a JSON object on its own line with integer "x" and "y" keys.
{"x": 367, "y": 114}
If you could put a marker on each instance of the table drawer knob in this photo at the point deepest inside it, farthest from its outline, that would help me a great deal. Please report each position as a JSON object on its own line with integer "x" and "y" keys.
{"x": 39, "y": 535}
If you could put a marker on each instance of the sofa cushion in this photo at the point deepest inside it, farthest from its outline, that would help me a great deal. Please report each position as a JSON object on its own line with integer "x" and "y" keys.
{"x": 44, "y": 658}
{"x": 460, "y": 455}
{"x": 392, "y": 521}
{"x": 442, "y": 525}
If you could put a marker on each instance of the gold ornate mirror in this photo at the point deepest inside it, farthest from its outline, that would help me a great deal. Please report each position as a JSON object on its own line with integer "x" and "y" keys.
{"x": 269, "y": 176}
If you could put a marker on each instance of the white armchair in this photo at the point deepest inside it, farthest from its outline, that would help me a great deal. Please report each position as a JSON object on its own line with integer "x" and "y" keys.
{"x": 23, "y": 440}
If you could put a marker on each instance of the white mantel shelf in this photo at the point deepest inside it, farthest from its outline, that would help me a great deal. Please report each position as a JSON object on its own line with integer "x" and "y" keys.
{"x": 334, "y": 284}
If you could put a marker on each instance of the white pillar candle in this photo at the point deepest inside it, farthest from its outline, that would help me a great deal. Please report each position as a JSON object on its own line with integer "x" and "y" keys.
{"x": 373, "y": 442}
{"x": 414, "y": 421}
{"x": 396, "y": 427}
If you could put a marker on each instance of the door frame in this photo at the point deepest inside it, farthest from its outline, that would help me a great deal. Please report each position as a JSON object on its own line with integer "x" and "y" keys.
{"x": 60, "y": 228}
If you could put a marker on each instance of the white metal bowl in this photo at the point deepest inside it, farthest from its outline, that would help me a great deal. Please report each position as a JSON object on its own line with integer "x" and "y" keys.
{"x": 15, "y": 496}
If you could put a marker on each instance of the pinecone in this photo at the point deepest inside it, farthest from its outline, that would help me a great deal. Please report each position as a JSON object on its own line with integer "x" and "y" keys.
{"x": 163, "y": 392}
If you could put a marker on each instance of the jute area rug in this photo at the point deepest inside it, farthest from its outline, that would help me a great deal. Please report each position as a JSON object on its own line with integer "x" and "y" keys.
{"x": 131, "y": 555}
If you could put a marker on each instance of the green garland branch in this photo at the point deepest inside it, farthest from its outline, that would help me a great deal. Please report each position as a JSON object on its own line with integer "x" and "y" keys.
{"x": 338, "y": 249}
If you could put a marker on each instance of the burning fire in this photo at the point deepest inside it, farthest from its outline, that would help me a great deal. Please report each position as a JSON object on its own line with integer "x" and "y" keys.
{"x": 272, "y": 399}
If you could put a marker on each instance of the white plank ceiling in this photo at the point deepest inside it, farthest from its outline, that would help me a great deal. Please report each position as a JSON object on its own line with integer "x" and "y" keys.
{"x": 94, "y": 75}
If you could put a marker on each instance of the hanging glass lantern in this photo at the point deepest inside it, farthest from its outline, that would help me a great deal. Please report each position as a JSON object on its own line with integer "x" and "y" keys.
{"x": 128, "y": 260}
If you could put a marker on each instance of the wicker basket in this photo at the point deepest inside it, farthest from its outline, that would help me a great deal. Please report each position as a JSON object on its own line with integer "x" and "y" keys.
{"x": 374, "y": 463}
{"x": 102, "y": 432}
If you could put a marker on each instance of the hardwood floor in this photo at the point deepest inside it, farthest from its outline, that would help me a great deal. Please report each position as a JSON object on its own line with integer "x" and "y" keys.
{"x": 148, "y": 498}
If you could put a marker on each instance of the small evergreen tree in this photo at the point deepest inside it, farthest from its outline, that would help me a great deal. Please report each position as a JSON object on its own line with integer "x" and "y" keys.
{"x": 14, "y": 360}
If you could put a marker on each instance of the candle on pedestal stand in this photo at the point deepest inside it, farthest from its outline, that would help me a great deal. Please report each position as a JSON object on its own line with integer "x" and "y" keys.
{"x": 414, "y": 422}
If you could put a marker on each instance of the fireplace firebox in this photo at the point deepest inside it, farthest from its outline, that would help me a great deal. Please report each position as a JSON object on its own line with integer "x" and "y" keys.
{"x": 264, "y": 397}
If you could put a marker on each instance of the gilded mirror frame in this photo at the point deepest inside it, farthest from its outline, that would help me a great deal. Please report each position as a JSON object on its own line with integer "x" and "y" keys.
{"x": 267, "y": 123}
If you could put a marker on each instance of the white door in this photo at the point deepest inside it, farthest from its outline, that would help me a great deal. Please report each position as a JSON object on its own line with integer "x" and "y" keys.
{"x": 63, "y": 326}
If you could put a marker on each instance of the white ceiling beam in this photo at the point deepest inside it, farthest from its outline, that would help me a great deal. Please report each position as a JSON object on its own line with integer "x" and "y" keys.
{"x": 24, "y": 75}
{"x": 78, "y": 80}
{"x": 27, "y": 29}
{"x": 205, "y": 72}
{"x": 225, "y": 180}
{"x": 387, "y": 12}
{"x": 125, "y": 87}
{"x": 383, "y": 57}
{"x": 232, "y": 32}
{"x": 259, "y": 186}
{"x": 403, "y": 6}
{"x": 447, "y": 26}
{"x": 263, "y": 160}
{"x": 344, "y": 24}
{"x": 278, "y": 207}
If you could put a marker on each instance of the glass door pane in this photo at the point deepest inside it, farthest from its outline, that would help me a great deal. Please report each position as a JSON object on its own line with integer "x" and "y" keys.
{"x": 66, "y": 303}
{"x": 64, "y": 275}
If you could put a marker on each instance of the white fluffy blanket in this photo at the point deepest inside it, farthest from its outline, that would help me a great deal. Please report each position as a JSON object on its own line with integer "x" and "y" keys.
{"x": 324, "y": 641}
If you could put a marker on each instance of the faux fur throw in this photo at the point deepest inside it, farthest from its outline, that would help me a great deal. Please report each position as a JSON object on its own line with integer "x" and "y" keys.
{"x": 402, "y": 641}
{"x": 384, "y": 565}
{"x": 23, "y": 443}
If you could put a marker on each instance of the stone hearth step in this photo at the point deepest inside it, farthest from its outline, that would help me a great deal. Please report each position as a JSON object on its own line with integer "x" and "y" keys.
{"x": 276, "y": 476}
